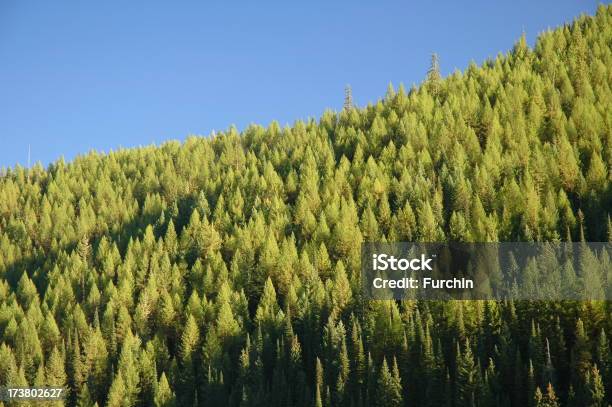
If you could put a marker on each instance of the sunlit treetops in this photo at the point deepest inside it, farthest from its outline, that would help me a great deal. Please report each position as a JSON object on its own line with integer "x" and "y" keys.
{"x": 224, "y": 270}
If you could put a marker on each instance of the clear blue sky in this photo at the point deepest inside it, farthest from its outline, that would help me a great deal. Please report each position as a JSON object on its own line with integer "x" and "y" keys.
{"x": 76, "y": 76}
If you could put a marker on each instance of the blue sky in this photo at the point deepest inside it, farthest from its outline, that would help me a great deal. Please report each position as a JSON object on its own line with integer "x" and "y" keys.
{"x": 101, "y": 75}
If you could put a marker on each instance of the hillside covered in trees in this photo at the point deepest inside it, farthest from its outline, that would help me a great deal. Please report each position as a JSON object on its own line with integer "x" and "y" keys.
{"x": 225, "y": 270}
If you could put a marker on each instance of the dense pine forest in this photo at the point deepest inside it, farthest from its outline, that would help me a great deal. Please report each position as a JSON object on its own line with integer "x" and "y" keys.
{"x": 224, "y": 270}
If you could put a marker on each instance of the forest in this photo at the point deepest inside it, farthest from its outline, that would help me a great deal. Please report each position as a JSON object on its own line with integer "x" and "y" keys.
{"x": 225, "y": 270}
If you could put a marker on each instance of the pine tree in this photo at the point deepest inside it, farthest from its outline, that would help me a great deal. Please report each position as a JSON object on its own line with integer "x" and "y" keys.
{"x": 389, "y": 390}
{"x": 55, "y": 372}
{"x": 117, "y": 393}
{"x": 189, "y": 342}
{"x": 397, "y": 381}
{"x": 126, "y": 385}
{"x": 231, "y": 263}
{"x": 164, "y": 396}
{"x": 531, "y": 379}
{"x": 433, "y": 75}
{"x": 545, "y": 400}
{"x": 594, "y": 391}
{"x": 467, "y": 372}
{"x": 580, "y": 357}
{"x": 357, "y": 364}
{"x": 318, "y": 402}
{"x": 348, "y": 98}
{"x": 77, "y": 370}
{"x": 604, "y": 360}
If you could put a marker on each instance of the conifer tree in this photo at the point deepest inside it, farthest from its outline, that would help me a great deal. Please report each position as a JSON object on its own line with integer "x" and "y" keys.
{"x": 348, "y": 98}
{"x": 433, "y": 75}
{"x": 230, "y": 264}
{"x": 545, "y": 400}
{"x": 389, "y": 390}
{"x": 603, "y": 360}
{"x": 594, "y": 391}
{"x": 164, "y": 397}
{"x": 467, "y": 371}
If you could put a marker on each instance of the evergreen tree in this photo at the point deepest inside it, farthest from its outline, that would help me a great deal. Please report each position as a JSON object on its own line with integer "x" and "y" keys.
{"x": 594, "y": 392}
{"x": 389, "y": 389}
{"x": 433, "y": 75}
{"x": 164, "y": 396}
{"x": 348, "y": 98}
{"x": 545, "y": 400}
{"x": 467, "y": 376}
{"x": 231, "y": 264}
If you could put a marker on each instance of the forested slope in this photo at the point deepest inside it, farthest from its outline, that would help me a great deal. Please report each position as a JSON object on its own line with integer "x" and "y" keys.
{"x": 225, "y": 270}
